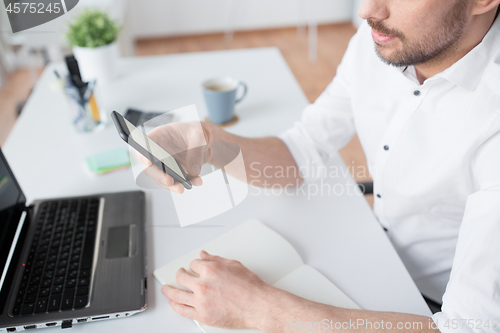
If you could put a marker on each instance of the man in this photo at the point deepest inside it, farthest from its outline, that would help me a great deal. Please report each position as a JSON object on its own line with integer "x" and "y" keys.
{"x": 426, "y": 106}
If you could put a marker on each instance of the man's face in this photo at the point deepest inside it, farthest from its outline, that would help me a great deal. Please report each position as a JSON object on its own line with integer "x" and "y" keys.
{"x": 412, "y": 32}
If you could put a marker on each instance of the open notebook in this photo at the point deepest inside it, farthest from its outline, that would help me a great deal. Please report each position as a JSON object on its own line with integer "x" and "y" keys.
{"x": 268, "y": 255}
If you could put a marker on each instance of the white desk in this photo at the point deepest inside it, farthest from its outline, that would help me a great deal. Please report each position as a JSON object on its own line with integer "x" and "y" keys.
{"x": 338, "y": 235}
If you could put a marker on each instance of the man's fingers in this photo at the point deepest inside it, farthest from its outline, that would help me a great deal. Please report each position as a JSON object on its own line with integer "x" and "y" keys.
{"x": 178, "y": 295}
{"x": 155, "y": 173}
{"x": 177, "y": 188}
{"x": 143, "y": 160}
{"x": 168, "y": 182}
{"x": 183, "y": 310}
{"x": 159, "y": 176}
{"x": 195, "y": 266}
{"x": 185, "y": 279}
{"x": 205, "y": 256}
{"x": 196, "y": 181}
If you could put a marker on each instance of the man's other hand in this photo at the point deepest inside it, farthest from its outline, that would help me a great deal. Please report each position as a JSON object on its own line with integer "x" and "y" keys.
{"x": 223, "y": 293}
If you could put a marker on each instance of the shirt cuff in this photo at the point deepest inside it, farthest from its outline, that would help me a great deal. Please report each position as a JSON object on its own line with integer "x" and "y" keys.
{"x": 309, "y": 161}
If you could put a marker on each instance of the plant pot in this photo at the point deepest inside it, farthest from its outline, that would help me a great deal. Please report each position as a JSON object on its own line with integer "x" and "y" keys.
{"x": 97, "y": 63}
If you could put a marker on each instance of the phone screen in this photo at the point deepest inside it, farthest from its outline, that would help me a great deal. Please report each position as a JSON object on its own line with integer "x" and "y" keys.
{"x": 152, "y": 147}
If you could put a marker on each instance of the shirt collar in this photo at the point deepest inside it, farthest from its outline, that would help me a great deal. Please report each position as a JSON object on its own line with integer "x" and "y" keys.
{"x": 468, "y": 71}
{"x": 411, "y": 74}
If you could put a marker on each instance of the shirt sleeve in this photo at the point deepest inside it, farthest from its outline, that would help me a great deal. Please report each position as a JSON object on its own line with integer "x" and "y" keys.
{"x": 471, "y": 302}
{"x": 327, "y": 125}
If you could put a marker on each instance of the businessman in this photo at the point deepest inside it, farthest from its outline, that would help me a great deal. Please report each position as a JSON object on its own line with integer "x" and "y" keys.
{"x": 420, "y": 84}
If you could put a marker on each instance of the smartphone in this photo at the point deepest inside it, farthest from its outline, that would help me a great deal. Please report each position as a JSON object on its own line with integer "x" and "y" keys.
{"x": 138, "y": 140}
{"x": 149, "y": 119}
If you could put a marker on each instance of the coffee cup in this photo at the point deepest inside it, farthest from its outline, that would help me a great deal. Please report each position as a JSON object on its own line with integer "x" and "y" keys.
{"x": 220, "y": 98}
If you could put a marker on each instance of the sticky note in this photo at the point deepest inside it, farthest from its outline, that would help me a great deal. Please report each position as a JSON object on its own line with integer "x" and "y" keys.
{"x": 108, "y": 160}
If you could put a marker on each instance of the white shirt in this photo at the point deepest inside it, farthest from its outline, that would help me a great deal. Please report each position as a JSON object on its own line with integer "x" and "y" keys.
{"x": 434, "y": 153}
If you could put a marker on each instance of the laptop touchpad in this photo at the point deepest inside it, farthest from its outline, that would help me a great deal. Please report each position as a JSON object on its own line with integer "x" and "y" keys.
{"x": 121, "y": 242}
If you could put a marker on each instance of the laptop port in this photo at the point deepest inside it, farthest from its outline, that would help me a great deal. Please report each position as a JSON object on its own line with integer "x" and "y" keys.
{"x": 82, "y": 320}
{"x": 67, "y": 324}
{"x": 103, "y": 317}
{"x": 29, "y": 327}
{"x": 11, "y": 329}
{"x": 50, "y": 324}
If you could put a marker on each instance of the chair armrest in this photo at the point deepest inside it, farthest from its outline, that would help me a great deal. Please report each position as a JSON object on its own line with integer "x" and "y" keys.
{"x": 366, "y": 187}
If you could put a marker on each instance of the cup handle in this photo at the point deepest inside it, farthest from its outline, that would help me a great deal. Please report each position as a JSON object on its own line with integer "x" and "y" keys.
{"x": 245, "y": 89}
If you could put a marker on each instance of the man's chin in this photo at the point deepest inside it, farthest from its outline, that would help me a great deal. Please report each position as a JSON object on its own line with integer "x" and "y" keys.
{"x": 388, "y": 56}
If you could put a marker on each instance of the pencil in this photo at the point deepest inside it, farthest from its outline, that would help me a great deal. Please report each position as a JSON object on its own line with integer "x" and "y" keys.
{"x": 94, "y": 109}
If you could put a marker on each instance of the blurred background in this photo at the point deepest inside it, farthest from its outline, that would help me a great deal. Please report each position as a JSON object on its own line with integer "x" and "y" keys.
{"x": 312, "y": 35}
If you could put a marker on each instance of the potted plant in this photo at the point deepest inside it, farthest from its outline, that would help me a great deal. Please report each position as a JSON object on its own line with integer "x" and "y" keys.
{"x": 92, "y": 35}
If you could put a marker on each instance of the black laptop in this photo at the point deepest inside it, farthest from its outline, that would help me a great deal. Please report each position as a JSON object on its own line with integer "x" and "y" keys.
{"x": 69, "y": 261}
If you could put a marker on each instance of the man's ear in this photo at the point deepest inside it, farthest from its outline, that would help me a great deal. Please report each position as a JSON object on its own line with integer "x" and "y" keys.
{"x": 483, "y": 6}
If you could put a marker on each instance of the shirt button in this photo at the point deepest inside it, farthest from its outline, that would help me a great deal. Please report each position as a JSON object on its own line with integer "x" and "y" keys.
{"x": 386, "y": 147}
{"x": 379, "y": 196}
{"x": 417, "y": 93}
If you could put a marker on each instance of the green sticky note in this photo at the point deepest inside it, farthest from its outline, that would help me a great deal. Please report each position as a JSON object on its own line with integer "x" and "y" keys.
{"x": 101, "y": 171}
{"x": 108, "y": 160}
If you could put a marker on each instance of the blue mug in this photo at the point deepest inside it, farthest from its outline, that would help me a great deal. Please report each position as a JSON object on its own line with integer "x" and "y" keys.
{"x": 220, "y": 98}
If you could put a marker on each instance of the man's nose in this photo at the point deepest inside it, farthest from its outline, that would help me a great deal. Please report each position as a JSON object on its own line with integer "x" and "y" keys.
{"x": 374, "y": 9}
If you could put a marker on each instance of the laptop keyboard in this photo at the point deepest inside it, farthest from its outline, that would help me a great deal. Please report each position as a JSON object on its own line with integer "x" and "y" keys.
{"x": 58, "y": 270}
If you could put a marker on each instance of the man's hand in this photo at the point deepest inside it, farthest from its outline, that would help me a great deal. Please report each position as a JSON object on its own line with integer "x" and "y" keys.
{"x": 189, "y": 143}
{"x": 224, "y": 294}
{"x": 195, "y": 143}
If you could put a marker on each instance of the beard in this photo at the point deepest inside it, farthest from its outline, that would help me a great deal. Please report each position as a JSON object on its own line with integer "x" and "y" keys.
{"x": 433, "y": 46}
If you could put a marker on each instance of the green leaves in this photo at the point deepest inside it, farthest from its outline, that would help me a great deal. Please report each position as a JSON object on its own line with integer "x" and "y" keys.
{"x": 92, "y": 28}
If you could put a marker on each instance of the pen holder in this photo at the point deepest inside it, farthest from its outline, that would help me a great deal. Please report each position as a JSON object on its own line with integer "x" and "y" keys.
{"x": 86, "y": 113}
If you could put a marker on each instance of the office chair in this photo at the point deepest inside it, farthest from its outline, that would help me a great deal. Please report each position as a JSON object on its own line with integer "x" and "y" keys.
{"x": 366, "y": 187}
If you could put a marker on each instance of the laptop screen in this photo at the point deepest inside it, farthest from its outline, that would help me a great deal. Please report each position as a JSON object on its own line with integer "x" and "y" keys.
{"x": 12, "y": 201}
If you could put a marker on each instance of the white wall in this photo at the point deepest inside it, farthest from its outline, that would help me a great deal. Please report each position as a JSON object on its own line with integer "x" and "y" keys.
{"x": 151, "y": 18}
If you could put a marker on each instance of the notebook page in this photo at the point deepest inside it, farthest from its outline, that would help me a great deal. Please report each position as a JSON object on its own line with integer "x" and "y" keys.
{"x": 257, "y": 247}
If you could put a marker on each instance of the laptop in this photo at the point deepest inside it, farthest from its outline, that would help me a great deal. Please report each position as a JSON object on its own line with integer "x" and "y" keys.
{"x": 69, "y": 261}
